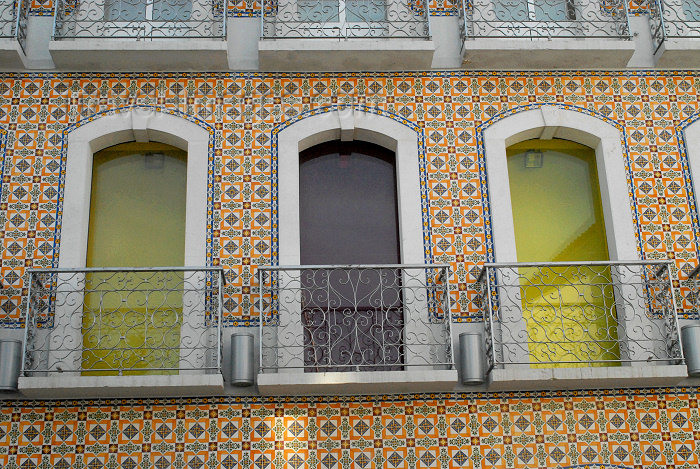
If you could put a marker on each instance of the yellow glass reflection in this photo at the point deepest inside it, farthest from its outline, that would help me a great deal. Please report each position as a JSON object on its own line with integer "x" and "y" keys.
{"x": 558, "y": 217}
{"x": 137, "y": 219}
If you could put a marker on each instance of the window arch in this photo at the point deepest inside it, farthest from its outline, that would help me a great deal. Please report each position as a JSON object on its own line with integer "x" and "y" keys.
{"x": 546, "y": 123}
{"x": 139, "y": 125}
{"x": 347, "y": 125}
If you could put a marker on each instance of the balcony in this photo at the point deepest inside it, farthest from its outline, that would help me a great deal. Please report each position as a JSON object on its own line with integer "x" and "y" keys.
{"x": 345, "y": 35}
{"x": 675, "y": 32}
{"x": 123, "y": 332}
{"x": 355, "y": 329}
{"x": 140, "y": 35}
{"x": 13, "y": 32}
{"x": 580, "y": 325}
{"x": 545, "y": 34}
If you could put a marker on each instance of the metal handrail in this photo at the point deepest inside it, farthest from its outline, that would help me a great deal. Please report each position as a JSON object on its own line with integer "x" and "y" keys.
{"x": 380, "y": 317}
{"x": 122, "y": 321}
{"x": 601, "y": 313}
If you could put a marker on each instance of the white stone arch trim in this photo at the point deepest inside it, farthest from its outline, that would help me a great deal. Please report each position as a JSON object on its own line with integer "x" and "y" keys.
{"x": 140, "y": 125}
{"x": 350, "y": 124}
{"x": 549, "y": 122}
{"x": 690, "y": 140}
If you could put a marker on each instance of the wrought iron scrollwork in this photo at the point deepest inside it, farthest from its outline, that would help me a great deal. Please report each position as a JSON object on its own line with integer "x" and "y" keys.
{"x": 673, "y": 19}
{"x": 345, "y": 19}
{"x": 579, "y": 314}
{"x": 13, "y": 20}
{"x": 544, "y": 19}
{"x": 123, "y": 321}
{"x": 354, "y": 318}
{"x": 140, "y": 19}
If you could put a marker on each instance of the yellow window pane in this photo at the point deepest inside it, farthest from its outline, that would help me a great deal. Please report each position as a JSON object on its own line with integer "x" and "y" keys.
{"x": 137, "y": 219}
{"x": 569, "y": 311}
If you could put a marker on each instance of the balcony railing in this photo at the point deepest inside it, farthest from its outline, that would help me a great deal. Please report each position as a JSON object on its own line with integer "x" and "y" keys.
{"x": 579, "y": 314}
{"x": 673, "y": 19}
{"x": 348, "y": 19}
{"x": 123, "y": 321}
{"x": 354, "y": 318}
{"x": 544, "y": 19}
{"x": 13, "y": 20}
{"x": 140, "y": 19}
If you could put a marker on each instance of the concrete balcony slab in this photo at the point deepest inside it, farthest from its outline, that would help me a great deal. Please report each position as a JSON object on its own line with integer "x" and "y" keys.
{"x": 330, "y": 54}
{"x": 556, "y": 53}
{"x": 129, "y": 55}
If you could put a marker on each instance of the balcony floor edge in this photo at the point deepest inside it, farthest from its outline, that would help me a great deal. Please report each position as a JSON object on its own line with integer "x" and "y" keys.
{"x": 375, "y": 382}
{"x": 62, "y": 387}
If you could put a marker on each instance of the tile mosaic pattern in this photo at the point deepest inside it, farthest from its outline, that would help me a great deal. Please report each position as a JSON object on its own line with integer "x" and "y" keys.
{"x": 242, "y": 111}
{"x": 632, "y": 429}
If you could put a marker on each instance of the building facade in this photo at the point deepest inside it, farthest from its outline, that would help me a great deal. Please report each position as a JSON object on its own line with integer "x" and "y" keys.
{"x": 537, "y": 164}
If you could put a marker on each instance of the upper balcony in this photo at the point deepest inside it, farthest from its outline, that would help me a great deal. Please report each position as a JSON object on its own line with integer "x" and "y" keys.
{"x": 140, "y": 34}
{"x": 345, "y": 35}
{"x": 123, "y": 332}
{"x": 675, "y": 32}
{"x": 546, "y": 34}
{"x": 580, "y": 324}
{"x": 13, "y": 32}
{"x": 355, "y": 329}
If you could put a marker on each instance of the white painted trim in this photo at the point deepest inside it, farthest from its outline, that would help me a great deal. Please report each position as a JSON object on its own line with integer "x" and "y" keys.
{"x": 691, "y": 135}
{"x": 554, "y": 122}
{"x": 141, "y": 125}
{"x": 350, "y": 124}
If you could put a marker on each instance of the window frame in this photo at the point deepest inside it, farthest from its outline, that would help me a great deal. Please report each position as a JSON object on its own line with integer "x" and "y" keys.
{"x": 546, "y": 123}
{"x": 140, "y": 125}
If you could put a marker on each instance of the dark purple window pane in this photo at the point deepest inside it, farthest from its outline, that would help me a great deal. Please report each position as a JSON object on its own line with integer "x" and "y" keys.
{"x": 348, "y": 204}
{"x": 353, "y": 318}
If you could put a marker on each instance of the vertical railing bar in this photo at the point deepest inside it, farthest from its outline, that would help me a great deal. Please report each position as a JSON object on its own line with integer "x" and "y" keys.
{"x": 260, "y": 319}
{"x": 490, "y": 318}
{"x": 674, "y": 311}
{"x": 27, "y": 315}
{"x": 448, "y": 315}
{"x": 18, "y": 5}
{"x": 625, "y": 4}
{"x": 224, "y": 27}
{"x": 662, "y": 24}
{"x": 219, "y": 350}
{"x": 262, "y": 18}
{"x": 427, "y": 18}
{"x": 54, "y": 32}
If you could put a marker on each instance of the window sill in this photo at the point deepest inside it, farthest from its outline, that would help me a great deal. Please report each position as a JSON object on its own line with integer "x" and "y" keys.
{"x": 59, "y": 387}
{"x": 513, "y": 378}
{"x": 367, "y": 382}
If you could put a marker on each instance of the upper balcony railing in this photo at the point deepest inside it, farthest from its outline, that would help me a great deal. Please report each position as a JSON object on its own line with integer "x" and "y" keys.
{"x": 140, "y": 19}
{"x": 673, "y": 19}
{"x": 13, "y": 20}
{"x": 579, "y": 314}
{"x": 347, "y": 19}
{"x": 118, "y": 322}
{"x": 354, "y": 318}
{"x": 544, "y": 19}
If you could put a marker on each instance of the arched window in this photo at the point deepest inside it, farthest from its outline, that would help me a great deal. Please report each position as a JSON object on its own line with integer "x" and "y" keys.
{"x": 137, "y": 219}
{"x": 347, "y": 204}
{"x": 569, "y": 286}
{"x": 349, "y": 215}
{"x": 569, "y": 311}
{"x": 137, "y": 206}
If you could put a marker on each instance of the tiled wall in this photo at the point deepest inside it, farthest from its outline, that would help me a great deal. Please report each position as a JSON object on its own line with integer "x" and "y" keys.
{"x": 243, "y": 112}
{"x": 636, "y": 429}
